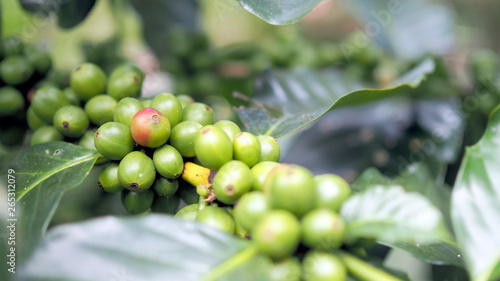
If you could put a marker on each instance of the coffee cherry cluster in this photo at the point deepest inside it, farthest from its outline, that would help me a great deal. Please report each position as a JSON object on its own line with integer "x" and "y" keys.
{"x": 22, "y": 69}
{"x": 152, "y": 144}
{"x": 71, "y": 114}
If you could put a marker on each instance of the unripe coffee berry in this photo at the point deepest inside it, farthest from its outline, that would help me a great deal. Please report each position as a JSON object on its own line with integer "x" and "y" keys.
{"x": 71, "y": 121}
{"x": 88, "y": 80}
{"x": 15, "y": 70}
{"x": 183, "y": 136}
{"x": 108, "y": 179}
{"x": 323, "y": 229}
{"x": 113, "y": 140}
{"x": 229, "y": 127}
{"x": 291, "y": 187}
{"x": 331, "y": 191}
{"x": 11, "y": 101}
{"x": 251, "y": 208}
{"x": 126, "y": 109}
{"x": 321, "y": 266}
{"x": 137, "y": 203}
{"x": 188, "y": 213}
{"x": 260, "y": 173}
{"x": 125, "y": 84}
{"x": 232, "y": 181}
{"x": 213, "y": 147}
{"x": 46, "y": 101}
{"x": 168, "y": 161}
{"x": 34, "y": 122}
{"x": 46, "y": 134}
{"x": 136, "y": 172}
{"x": 217, "y": 218}
{"x": 167, "y": 205}
{"x": 246, "y": 148}
{"x": 277, "y": 234}
{"x": 168, "y": 105}
{"x": 165, "y": 187}
{"x": 269, "y": 149}
{"x": 199, "y": 113}
{"x": 100, "y": 109}
{"x": 185, "y": 100}
{"x": 150, "y": 128}
{"x": 288, "y": 269}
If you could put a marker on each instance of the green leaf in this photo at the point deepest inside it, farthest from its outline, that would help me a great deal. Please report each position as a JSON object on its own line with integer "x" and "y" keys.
{"x": 403, "y": 27}
{"x": 417, "y": 178}
{"x": 280, "y": 12}
{"x": 475, "y": 204}
{"x": 289, "y": 100}
{"x": 389, "y": 214}
{"x": 150, "y": 247}
{"x": 42, "y": 173}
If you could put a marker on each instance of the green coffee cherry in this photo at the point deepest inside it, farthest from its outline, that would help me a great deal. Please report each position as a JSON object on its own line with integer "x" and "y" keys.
{"x": 46, "y": 101}
{"x": 34, "y": 122}
{"x": 291, "y": 188}
{"x": 331, "y": 191}
{"x": 136, "y": 172}
{"x": 320, "y": 266}
{"x": 185, "y": 100}
{"x": 213, "y": 147}
{"x": 288, "y": 269}
{"x": 229, "y": 127}
{"x": 71, "y": 121}
{"x": 146, "y": 102}
{"x": 87, "y": 141}
{"x": 188, "y": 213}
{"x": 11, "y": 101}
{"x": 251, "y": 208}
{"x": 72, "y": 97}
{"x": 187, "y": 192}
{"x": 246, "y": 148}
{"x": 124, "y": 84}
{"x": 150, "y": 128}
{"x": 137, "y": 203}
{"x": 126, "y": 68}
{"x": 217, "y": 218}
{"x": 15, "y": 70}
{"x": 87, "y": 80}
{"x": 165, "y": 187}
{"x": 126, "y": 109}
{"x": 232, "y": 181}
{"x": 168, "y": 161}
{"x": 323, "y": 229}
{"x": 260, "y": 173}
{"x": 114, "y": 140}
{"x": 100, "y": 109}
{"x": 183, "y": 136}
{"x": 40, "y": 60}
{"x": 167, "y": 205}
{"x": 108, "y": 179}
{"x": 168, "y": 105}
{"x": 269, "y": 149}
{"x": 199, "y": 113}
{"x": 46, "y": 134}
{"x": 277, "y": 234}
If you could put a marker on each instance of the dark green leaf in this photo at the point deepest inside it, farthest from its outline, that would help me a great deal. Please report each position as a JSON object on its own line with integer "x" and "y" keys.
{"x": 475, "y": 204}
{"x": 390, "y": 214}
{"x": 287, "y": 101}
{"x": 280, "y": 12}
{"x": 410, "y": 29}
{"x": 150, "y": 247}
{"x": 73, "y": 12}
{"x": 417, "y": 178}
{"x": 160, "y": 17}
{"x": 42, "y": 174}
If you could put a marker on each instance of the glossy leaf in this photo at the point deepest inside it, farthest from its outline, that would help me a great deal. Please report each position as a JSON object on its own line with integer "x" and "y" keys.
{"x": 280, "y": 12}
{"x": 42, "y": 173}
{"x": 409, "y": 29}
{"x": 389, "y": 214}
{"x": 475, "y": 205}
{"x": 150, "y": 247}
{"x": 287, "y": 101}
{"x": 417, "y": 178}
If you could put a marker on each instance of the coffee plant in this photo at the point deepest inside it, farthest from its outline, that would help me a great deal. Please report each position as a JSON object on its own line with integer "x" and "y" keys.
{"x": 331, "y": 157}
